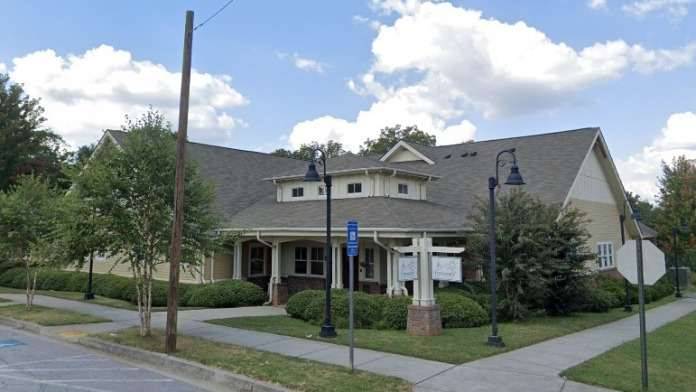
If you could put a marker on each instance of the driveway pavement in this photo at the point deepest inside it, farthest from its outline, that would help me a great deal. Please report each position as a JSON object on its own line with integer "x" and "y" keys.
{"x": 31, "y": 363}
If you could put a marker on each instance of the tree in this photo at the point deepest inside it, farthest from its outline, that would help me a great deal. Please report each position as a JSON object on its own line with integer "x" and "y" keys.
{"x": 646, "y": 209}
{"x": 139, "y": 207}
{"x": 28, "y": 215}
{"x": 331, "y": 148}
{"x": 677, "y": 206}
{"x": 389, "y": 136}
{"x": 541, "y": 253}
{"x": 26, "y": 146}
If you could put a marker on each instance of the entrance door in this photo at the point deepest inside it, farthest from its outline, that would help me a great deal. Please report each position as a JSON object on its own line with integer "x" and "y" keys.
{"x": 356, "y": 270}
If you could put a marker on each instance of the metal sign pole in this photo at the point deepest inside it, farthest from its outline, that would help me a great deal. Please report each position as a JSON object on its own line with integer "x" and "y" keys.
{"x": 641, "y": 305}
{"x": 351, "y": 271}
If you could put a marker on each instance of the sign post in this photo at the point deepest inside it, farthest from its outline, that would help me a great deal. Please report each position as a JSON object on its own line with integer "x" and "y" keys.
{"x": 352, "y": 250}
{"x": 641, "y": 263}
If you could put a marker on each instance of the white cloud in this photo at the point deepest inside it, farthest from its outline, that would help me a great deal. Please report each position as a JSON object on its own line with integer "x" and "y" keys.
{"x": 597, "y": 4}
{"x": 303, "y": 63}
{"x": 437, "y": 63}
{"x": 86, "y": 93}
{"x": 372, "y": 23}
{"x": 641, "y": 170}
{"x": 675, "y": 8}
{"x": 3, "y": 68}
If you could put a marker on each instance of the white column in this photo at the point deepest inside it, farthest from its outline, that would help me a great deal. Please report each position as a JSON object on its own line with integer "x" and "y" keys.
{"x": 337, "y": 266}
{"x": 423, "y": 293}
{"x": 212, "y": 267}
{"x": 275, "y": 268}
{"x": 390, "y": 273}
{"x": 237, "y": 267}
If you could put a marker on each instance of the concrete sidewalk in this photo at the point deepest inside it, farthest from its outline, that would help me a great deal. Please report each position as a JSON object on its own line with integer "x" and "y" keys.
{"x": 534, "y": 368}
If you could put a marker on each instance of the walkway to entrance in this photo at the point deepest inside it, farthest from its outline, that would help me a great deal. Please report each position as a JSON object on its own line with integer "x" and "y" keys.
{"x": 534, "y": 368}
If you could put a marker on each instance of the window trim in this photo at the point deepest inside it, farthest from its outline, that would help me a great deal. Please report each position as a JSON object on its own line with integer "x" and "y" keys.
{"x": 608, "y": 257}
{"x": 309, "y": 262}
{"x": 300, "y": 192}
{"x": 353, "y": 184}
{"x": 399, "y": 187}
{"x": 265, "y": 272}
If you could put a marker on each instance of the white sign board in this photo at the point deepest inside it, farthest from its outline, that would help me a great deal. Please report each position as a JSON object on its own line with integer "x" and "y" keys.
{"x": 408, "y": 268}
{"x": 653, "y": 262}
{"x": 447, "y": 269}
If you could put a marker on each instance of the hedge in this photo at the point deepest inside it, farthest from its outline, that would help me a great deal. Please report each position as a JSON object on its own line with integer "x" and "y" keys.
{"x": 379, "y": 311}
{"x": 222, "y": 294}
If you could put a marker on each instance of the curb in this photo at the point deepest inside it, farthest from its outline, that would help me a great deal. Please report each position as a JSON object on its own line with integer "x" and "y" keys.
{"x": 218, "y": 377}
{"x": 23, "y": 325}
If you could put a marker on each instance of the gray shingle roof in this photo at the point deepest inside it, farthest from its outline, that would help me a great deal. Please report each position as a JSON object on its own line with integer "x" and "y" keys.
{"x": 549, "y": 164}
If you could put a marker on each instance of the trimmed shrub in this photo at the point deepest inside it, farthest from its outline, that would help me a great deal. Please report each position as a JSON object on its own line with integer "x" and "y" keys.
{"x": 598, "y": 301}
{"x": 458, "y": 311}
{"x": 395, "y": 313}
{"x": 299, "y": 302}
{"x": 226, "y": 294}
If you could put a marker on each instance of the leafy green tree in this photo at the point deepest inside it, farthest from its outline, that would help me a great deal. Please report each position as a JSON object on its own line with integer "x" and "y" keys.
{"x": 541, "y": 255}
{"x": 138, "y": 202}
{"x": 331, "y": 148}
{"x": 28, "y": 215}
{"x": 389, "y": 136}
{"x": 647, "y": 211}
{"x": 26, "y": 146}
{"x": 677, "y": 206}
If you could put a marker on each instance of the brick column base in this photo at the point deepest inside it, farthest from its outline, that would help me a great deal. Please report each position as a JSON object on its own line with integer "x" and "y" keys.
{"x": 280, "y": 294}
{"x": 424, "y": 320}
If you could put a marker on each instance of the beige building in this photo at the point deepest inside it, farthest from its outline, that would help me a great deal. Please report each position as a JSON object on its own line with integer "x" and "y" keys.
{"x": 411, "y": 193}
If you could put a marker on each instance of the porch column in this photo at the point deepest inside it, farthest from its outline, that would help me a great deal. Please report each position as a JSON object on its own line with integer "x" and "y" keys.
{"x": 237, "y": 267}
{"x": 277, "y": 291}
{"x": 395, "y": 287}
{"x": 212, "y": 267}
{"x": 337, "y": 266}
{"x": 424, "y": 314}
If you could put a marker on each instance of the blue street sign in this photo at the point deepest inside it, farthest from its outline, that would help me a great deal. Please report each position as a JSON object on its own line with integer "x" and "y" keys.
{"x": 352, "y": 243}
{"x": 10, "y": 343}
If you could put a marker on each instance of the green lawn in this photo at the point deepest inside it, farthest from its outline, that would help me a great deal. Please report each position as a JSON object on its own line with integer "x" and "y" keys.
{"x": 671, "y": 361}
{"x": 99, "y": 300}
{"x": 455, "y": 345}
{"x": 48, "y": 316}
{"x": 296, "y": 374}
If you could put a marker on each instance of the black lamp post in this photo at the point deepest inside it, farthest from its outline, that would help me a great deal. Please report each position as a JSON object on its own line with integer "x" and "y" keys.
{"x": 327, "y": 329}
{"x": 515, "y": 178}
{"x": 675, "y": 234}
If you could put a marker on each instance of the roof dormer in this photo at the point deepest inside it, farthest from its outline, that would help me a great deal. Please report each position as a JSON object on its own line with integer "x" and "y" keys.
{"x": 404, "y": 152}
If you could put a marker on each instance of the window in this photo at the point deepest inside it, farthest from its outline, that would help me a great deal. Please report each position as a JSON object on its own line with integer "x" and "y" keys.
{"x": 309, "y": 261}
{"x": 605, "y": 255}
{"x": 320, "y": 190}
{"x": 257, "y": 261}
{"x": 355, "y": 188}
{"x": 297, "y": 192}
{"x": 403, "y": 189}
{"x": 301, "y": 261}
{"x": 369, "y": 263}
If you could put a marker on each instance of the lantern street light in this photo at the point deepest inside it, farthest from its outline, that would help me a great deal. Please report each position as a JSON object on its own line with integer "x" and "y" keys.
{"x": 515, "y": 178}
{"x": 327, "y": 329}
{"x": 675, "y": 234}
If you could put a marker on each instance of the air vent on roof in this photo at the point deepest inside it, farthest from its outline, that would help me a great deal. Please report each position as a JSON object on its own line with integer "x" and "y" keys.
{"x": 466, "y": 154}
{"x": 448, "y": 156}
{"x": 473, "y": 154}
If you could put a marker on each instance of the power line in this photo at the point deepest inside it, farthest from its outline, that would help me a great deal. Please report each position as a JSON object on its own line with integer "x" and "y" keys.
{"x": 213, "y": 15}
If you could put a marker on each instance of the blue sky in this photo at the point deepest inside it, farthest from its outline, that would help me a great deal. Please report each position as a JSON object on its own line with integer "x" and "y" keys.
{"x": 275, "y": 73}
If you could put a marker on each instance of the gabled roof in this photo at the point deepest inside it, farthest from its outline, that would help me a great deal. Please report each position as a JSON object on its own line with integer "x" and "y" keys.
{"x": 402, "y": 145}
{"x": 549, "y": 163}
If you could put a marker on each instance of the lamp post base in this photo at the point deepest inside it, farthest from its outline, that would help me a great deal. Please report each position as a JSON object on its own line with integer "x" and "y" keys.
{"x": 628, "y": 308}
{"x": 327, "y": 331}
{"x": 495, "y": 341}
{"x": 678, "y": 294}
{"x": 89, "y": 296}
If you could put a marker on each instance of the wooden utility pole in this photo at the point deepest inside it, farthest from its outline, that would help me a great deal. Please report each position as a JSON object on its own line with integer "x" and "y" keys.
{"x": 177, "y": 228}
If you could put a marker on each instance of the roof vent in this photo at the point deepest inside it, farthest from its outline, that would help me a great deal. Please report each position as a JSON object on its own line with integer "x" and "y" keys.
{"x": 473, "y": 154}
{"x": 448, "y": 156}
{"x": 466, "y": 154}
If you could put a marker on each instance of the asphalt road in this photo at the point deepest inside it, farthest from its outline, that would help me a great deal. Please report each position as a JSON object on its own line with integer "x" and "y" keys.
{"x": 31, "y": 363}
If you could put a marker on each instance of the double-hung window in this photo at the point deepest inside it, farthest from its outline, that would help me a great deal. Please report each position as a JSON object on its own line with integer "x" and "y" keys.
{"x": 369, "y": 263}
{"x": 403, "y": 189}
{"x": 605, "y": 255}
{"x": 309, "y": 261}
{"x": 257, "y": 261}
{"x": 355, "y": 187}
{"x": 298, "y": 192}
